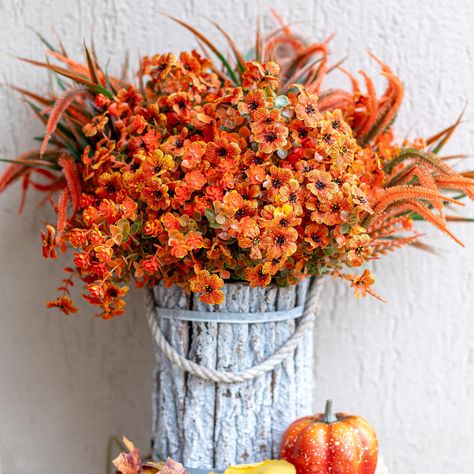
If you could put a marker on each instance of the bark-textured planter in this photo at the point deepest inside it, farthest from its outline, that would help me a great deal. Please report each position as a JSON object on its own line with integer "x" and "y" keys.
{"x": 207, "y": 424}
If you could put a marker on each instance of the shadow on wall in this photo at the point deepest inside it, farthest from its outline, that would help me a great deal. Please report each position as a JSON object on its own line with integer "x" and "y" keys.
{"x": 70, "y": 382}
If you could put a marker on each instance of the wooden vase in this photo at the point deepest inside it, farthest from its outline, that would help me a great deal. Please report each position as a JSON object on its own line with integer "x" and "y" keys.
{"x": 204, "y": 424}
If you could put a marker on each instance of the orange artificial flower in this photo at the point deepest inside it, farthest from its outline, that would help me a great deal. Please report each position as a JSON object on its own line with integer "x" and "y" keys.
{"x": 360, "y": 250}
{"x": 178, "y": 245}
{"x": 307, "y": 109}
{"x": 64, "y": 304}
{"x": 335, "y": 211}
{"x": 95, "y": 126}
{"x": 280, "y": 242}
{"x": 221, "y": 149}
{"x": 249, "y": 237}
{"x": 299, "y": 131}
{"x": 316, "y": 236}
{"x": 273, "y": 266}
{"x": 181, "y": 104}
{"x": 271, "y": 138}
{"x": 209, "y": 287}
{"x": 256, "y": 277}
{"x": 258, "y": 75}
{"x": 175, "y": 144}
{"x": 49, "y": 242}
{"x": 152, "y": 228}
{"x": 278, "y": 179}
{"x": 291, "y": 194}
{"x": 362, "y": 284}
{"x": 321, "y": 185}
{"x": 255, "y": 102}
{"x": 161, "y": 65}
{"x": 155, "y": 194}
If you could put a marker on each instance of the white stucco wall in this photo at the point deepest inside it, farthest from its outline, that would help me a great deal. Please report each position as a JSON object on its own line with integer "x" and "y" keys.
{"x": 67, "y": 384}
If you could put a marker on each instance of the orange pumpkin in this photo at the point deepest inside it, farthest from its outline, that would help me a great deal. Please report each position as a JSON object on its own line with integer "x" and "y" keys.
{"x": 331, "y": 444}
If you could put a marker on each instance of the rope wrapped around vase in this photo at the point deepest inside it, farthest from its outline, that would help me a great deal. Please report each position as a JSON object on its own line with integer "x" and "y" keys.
{"x": 308, "y": 314}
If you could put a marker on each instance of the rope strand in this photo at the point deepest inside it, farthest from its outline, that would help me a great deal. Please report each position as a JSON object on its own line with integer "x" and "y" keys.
{"x": 218, "y": 376}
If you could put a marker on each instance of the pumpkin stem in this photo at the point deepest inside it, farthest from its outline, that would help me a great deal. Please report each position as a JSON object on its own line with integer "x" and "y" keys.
{"x": 329, "y": 416}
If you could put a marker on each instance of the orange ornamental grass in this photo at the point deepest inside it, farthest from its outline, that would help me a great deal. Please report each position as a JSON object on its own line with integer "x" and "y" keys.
{"x": 237, "y": 170}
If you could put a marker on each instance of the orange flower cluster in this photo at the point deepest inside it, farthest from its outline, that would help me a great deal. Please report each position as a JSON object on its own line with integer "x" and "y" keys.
{"x": 194, "y": 179}
{"x": 202, "y": 183}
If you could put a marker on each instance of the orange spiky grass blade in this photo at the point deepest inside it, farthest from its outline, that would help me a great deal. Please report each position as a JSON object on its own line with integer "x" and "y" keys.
{"x": 238, "y": 55}
{"x": 427, "y": 158}
{"x": 320, "y": 75}
{"x": 54, "y": 181}
{"x": 271, "y": 47}
{"x": 408, "y": 193}
{"x": 353, "y": 79}
{"x": 71, "y": 173}
{"x": 388, "y": 245}
{"x": 208, "y": 43}
{"x": 334, "y": 99}
{"x": 70, "y": 75}
{"x": 258, "y": 41}
{"x": 372, "y": 105}
{"x": 337, "y": 65}
{"x": 445, "y": 134}
{"x": 60, "y": 44}
{"x": 46, "y": 173}
{"x": 92, "y": 66}
{"x": 63, "y": 200}
{"x": 74, "y": 66}
{"x": 32, "y": 163}
{"x": 284, "y": 26}
{"x": 299, "y": 73}
{"x": 460, "y": 156}
{"x": 425, "y": 247}
{"x": 314, "y": 81}
{"x": 433, "y": 219}
{"x": 459, "y": 218}
{"x": 75, "y": 116}
{"x": 460, "y": 183}
{"x": 439, "y": 135}
{"x": 13, "y": 172}
{"x": 61, "y": 104}
{"x": 212, "y": 66}
{"x": 24, "y": 190}
{"x": 306, "y": 54}
{"x": 401, "y": 196}
{"x": 52, "y": 187}
{"x": 400, "y": 176}
{"x": 58, "y": 70}
{"x": 393, "y": 97}
{"x": 18, "y": 167}
{"x": 426, "y": 180}
{"x": 125, "y": 67}
{"x": 31, "y": 95}
{"x": 279, "y": 36}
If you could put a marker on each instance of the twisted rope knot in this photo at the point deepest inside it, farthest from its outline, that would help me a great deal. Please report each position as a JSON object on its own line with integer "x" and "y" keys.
{"x": 305, "y": 325}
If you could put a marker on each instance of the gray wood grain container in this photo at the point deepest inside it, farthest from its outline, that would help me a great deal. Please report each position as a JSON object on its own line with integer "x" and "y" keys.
{"x": 203, "y": 424}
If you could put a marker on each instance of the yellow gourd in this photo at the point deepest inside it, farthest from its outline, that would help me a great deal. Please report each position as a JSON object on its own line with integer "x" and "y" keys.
{"x": 272, "y": 466}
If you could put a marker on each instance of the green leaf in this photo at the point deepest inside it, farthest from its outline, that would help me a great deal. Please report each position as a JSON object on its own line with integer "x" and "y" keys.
{"x": 281, "y": 101}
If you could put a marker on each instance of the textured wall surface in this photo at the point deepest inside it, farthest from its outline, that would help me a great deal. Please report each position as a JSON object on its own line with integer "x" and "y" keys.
{"x": 68, "y": 384}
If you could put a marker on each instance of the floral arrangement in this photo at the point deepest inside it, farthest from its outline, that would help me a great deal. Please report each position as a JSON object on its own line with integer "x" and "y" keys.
{"x": 250, "y": 169}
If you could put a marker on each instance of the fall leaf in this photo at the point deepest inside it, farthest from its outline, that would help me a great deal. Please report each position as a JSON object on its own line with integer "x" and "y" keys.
{"x": 128, "y": 463}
